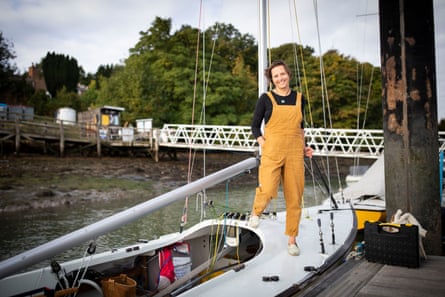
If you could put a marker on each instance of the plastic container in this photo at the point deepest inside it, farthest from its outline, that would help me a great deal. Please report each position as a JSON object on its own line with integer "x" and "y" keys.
{"x": 67, "y": 115}
{"x": 392, "y": 244}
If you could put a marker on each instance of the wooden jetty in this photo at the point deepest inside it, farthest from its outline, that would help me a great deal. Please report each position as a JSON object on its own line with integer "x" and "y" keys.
{"x": 361, "y": 278}
{"x": 54, "y": 136}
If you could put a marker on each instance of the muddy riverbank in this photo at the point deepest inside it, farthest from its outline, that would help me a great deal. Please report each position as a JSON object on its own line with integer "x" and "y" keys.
{"x": 36, "y": 181}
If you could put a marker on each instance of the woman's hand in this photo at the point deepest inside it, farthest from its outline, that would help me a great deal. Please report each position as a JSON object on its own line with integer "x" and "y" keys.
{"x": 260, "y": 140}
{"x": 308, "y": 151}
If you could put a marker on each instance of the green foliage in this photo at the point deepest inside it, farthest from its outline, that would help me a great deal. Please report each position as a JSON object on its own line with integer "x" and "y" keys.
{"x": 65, "y": 98}
{"x": 6, "y": 55}
{"x": 349, "y": 96}
{"x": 88, "y": 98}
{"x": 40, "y": 101}
{"x": 159, "y": 80}
{"x": 13, "y": 88}
{"x": 105, "y": 70}
{"x": 60, "y": 71}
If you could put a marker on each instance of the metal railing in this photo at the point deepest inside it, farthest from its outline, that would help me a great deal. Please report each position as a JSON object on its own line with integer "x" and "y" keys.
{"x": 331, "y": 142}
{"x": 345, "y": 142}
{"x": 211, "y": 137}
{"x": 334, "y": 142}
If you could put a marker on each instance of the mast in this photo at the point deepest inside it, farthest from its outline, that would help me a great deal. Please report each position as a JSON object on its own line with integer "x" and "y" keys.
{"x": 262, "y": 47}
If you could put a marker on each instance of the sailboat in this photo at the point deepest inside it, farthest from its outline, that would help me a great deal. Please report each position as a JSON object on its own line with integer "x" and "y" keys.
{"x": 215, "y": 257}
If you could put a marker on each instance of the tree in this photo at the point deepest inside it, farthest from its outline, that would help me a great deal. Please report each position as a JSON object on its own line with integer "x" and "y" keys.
{"x": 13, "y": 87}
{"x": 64, "y": 98}
{"x": 160, "y": 80}
{"x": 88, "y": 98}
{"x": 155, "y": 38}
{"x": 60, "y": 71}
{"x": 349, "y": 95}
{"x": 6, "y": 55}
{"x": 105, "y": 70}
{"x": 174, "y": 92}
{"x": 7, "y": 69}
{"x": 40, "y": 101}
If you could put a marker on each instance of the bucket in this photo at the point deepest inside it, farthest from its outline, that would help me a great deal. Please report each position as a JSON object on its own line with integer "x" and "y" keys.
{"x": 119, "y": 286}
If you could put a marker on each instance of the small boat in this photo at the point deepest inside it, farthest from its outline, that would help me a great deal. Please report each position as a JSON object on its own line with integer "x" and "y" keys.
{"x": 216, "y": 257}
{"x": 367, "y": 195}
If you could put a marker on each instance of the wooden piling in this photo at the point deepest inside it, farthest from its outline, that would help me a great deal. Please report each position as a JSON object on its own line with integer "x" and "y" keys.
{"x": 17, "y": 136}
{"x": 410, "y": 114}
{"x": 98, "y": 143}
{"x": 62, "y": 139}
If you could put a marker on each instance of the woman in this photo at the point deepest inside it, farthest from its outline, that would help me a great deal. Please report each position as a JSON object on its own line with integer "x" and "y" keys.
{"x": 283, "y": 150}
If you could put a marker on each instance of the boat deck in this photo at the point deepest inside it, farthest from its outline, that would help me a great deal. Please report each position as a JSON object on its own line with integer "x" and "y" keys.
{"x": 361, "y": 278}
{"x": 255, "y": 276}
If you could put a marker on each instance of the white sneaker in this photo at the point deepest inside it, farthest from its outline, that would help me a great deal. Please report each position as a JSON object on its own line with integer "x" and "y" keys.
{"x": 254, "y": 221}
{"x": 293, "y": 249}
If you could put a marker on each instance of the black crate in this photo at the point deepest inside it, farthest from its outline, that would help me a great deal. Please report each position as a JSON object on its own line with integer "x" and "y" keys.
{"x": 399, "y": 247}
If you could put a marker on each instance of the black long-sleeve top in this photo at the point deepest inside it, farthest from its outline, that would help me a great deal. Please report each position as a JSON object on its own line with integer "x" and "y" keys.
{"x": 264, "y": 108}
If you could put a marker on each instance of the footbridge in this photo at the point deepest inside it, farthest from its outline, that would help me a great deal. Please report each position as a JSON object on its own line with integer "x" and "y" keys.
{"x": 363, "y": 143}
{"x": 52, "y": 135}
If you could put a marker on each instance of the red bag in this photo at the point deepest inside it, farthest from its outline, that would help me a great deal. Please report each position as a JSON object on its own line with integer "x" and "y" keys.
{"x": 166, "y": 268}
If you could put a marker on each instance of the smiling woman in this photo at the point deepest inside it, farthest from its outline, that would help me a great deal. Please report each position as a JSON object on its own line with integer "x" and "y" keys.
{"x": 283, "y": 149}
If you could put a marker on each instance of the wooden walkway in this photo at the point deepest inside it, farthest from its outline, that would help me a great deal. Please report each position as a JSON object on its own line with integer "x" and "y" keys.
{"x": 361, "y": 278}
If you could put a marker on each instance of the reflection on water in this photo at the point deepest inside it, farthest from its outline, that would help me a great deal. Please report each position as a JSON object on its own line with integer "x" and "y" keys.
{"x": 21, "y": 231}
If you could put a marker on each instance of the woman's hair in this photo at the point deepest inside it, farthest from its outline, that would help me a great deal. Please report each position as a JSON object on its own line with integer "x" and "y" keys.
{"x": 268, "y": 70}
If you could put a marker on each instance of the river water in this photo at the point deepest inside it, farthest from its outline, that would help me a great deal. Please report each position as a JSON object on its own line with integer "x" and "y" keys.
{"x": 21, "y": 231}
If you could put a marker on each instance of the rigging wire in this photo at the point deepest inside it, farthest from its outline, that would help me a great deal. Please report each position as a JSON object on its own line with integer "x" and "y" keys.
{"x": 360, "y": 87}
{"x": 300, "y": 81}
{"x": 206, "y": 79}
{"x": 202, "y": 196}
{"x": 189, "y": 173}
{"x": 359, "y": 79}
{"x": 368, "y": 97}
{"x": 305, "y": 85}
{"x": 325, "y": 99}
{"x": 203, "y": 111}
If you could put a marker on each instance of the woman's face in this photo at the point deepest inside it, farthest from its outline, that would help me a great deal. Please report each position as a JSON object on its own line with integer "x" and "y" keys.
{"x": 280, "y": 78}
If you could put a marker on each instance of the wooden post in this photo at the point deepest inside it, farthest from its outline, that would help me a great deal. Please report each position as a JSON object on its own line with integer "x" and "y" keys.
{"x": 98, "y": 143}
{"x": 17, "y": 135}
{"x": 62, "y": 139}
{"x": 410, "y": 114}
{"x": 155, "y": 135}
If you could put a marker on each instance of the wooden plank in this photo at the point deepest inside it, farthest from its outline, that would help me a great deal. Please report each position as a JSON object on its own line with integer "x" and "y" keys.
{"x": 394, "y": 281}
{"x": 345, "y": 280}
{"x": 366, "y": 279}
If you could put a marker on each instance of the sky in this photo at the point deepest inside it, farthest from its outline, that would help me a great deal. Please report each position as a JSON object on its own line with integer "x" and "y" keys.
{"x": 101, "y": 32}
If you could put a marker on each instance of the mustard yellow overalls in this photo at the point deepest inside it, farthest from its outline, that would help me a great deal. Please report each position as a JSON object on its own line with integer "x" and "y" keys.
{"x": 282, "y": 158}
